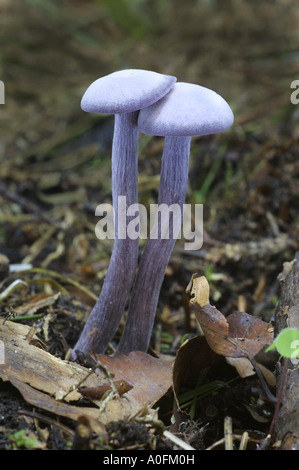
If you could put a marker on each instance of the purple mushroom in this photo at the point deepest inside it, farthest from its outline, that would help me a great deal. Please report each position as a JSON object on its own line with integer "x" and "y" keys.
{"x": 122, "y": 93}
{"x": 187, "y": 110}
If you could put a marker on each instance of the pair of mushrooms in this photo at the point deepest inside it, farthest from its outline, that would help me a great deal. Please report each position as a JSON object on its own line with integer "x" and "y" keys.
{"x": 154, "y": 104}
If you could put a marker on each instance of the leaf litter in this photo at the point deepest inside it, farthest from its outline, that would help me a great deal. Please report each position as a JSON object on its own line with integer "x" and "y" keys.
{"x": 55, "y": 381}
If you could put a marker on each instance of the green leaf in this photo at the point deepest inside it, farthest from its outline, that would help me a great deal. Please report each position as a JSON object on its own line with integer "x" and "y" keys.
{"x": 20, "y": 439}
{"x": 287, "y": 343}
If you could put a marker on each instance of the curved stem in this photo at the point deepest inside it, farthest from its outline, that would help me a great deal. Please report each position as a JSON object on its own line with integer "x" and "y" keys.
{"x": 105, "y": 316}
{"x": 154, "y": 260}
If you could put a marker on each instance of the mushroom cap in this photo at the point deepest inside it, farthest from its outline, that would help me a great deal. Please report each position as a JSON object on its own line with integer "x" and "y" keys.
{"x": 187, "y": 110}
{"x": 126, "y": 91}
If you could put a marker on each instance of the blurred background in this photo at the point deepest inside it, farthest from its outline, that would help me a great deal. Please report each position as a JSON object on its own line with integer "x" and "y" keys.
{"x": 52, "y": 50}
{"x": 55, "y": 159}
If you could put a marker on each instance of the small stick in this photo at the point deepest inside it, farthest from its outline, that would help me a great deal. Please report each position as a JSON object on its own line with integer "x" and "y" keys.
{"x": 228, "y": 433}
{"x": 216, "y": 444}
{"x": 47, "y": 419}
{"x": 73, "y": 387}
{"x": 244, "y": 441}
{"x": 270, "y": 396}
{"x": 176, "y": 440}
{"x": 236, "y": 437}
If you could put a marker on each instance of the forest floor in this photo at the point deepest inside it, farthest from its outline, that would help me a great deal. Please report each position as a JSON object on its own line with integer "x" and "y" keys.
{"x": 55, "y": 170}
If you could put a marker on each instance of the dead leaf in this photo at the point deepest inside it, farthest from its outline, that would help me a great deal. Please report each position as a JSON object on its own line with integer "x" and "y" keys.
{"x": 192, "y": 358}
{"x": 30, "y": 364}
{"x": 37, "y": 303}
{"x": 199, "y": 290}
{"x": 121, "y": 386}
{"x": 238, "y": 335}
{"x": 269, "y": 376}
{"x": 47, "y": 381}
{"x": 43, "y": 401}
{"x": 150, "y": 377}
{"x": 242, "y": 365}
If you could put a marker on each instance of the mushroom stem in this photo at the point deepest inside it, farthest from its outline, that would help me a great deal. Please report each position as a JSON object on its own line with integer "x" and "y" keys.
{"x": 105, "y": 316}
{"x": 154, "y": 260}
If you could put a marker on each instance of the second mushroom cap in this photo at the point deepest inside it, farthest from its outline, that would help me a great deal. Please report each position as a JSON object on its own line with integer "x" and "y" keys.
{"x": 187, "y": 110}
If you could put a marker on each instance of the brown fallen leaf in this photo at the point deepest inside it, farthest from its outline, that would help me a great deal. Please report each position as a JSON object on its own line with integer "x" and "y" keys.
{"x": 121, "y": 386}
{"x": 235, "y": 339}
{"x": 199, "y": 290}
{"x": 36, "y": 303}
{"x": 55, "y": 381}
{"x": 192, "y": 358}
{"x": 243, "y": 366}
{"x": 150, "y": 377}
{"x": 35, "y": 366}
{"x": 237, "y": 335}
{"x": 45, "y": 402}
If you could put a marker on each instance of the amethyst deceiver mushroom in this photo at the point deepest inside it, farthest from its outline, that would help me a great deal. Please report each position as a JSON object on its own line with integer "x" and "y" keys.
{"x": 122, "y": 93}
{"x": 187, "y": 110}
